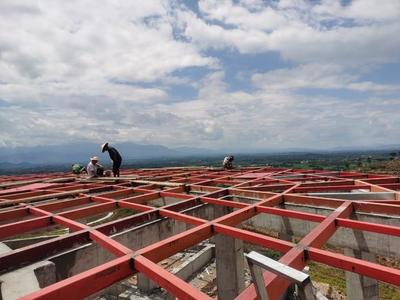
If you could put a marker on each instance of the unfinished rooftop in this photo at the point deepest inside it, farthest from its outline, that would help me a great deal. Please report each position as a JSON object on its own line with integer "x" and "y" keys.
{"x": 184, "y": 232}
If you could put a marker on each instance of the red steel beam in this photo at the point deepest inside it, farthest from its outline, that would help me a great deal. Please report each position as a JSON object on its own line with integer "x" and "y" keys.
{"x": 134, "y": 206}
{"x": 296, "y": 256}
{"x": 227, "y": 203}
{"x": 63, "y": 204}
{"x": 290, "y": 213}
{"x": 167, "y": 247}
{"x": 254, "y": 238}
{"x": 24, "y": 226}
{"x": 367, "y": 226}
{"x": 362, "y": 267}
{"x": 29, "y": 254}
{"x": 181, "y": 217}
{"x": 168, "y": 281}
{"x": 89, "y": 211}
{"x": 86, "y": 283}
{"x": 17, "y": 213}
{"x": 108, "y": 243}
{"x": 330, "y": 188}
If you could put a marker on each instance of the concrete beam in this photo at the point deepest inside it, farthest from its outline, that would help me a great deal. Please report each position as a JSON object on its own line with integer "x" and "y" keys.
{"x": 360, "y": 287}
{"x": 230, "y": 266}
{"x": 32, "y": 277}
{"x": 195, "y": 263}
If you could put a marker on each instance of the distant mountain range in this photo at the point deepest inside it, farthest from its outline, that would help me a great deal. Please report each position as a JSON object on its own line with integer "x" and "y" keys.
{"x": 81, "y": 152}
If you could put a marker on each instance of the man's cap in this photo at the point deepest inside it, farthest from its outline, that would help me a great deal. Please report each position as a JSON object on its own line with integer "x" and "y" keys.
{"x": 94, "y": 158}
{"x": 103, "y": 147}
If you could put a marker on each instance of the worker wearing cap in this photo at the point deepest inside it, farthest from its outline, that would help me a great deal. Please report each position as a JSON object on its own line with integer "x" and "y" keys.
{"x": 115, "y": 157}
{"x": 94, "y": 169}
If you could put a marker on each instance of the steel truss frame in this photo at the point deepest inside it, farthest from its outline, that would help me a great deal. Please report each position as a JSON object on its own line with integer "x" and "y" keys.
{"x": 34, "y": 201}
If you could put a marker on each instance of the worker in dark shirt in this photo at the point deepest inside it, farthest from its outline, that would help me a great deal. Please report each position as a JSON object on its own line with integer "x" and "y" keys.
{"x": 115, "y": 157}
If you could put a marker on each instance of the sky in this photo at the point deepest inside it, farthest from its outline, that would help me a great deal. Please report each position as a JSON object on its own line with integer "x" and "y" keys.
{"x": 243, "y": 74}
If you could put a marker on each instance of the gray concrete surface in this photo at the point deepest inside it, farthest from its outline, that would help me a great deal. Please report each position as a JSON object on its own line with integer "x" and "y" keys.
{"x": 361, "y": 287}
{"x": 27, "y": 279}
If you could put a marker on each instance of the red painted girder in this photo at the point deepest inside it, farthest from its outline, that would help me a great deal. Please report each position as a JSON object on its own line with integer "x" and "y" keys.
{"x": 176, "y": 195}
{"x": 127, "y": 222}
{"x": 381, "y": 181}
{"x": 248, "y": 212}
{"x": 86, "y": 283}
{"x": 392, "y": 186}
{"x": 101, "y": 199}
{"x": 267, "y": 188}
{"x": 328, "y": 183}
{"x": 362, "y": 267}
{"x": 64, "y": 204}
{"x": 134, "y": 206}
{"x": 226, "y": 203}
{"x": 22, "y": 256}
{"x": 237, "y": 217}
{"x": 311, "y": 200}
{"x": 183, "y": 204}
{"x": 290, "y": 213}
{"x": 38, "y": 212}
{"x": 182, "y": 217}
{"x": 109, "y": 244}
{"x": 324, "y": 230}
{"x": 71, "y": 224}
{"x": 167, "y": 247}
{"x": 253, "y": 194}
{"x": 367, "y": 226}
{"x": 17, "y": 213}
{"x": 370, "y": 207}
{"x": 254, "y": 238}
{"x": 143, "y": 198}
{"x": 121, "y": 192}
{"x": 25, "y": 195}
{"x": 374, "y": 187}
{"x": 21, "y": 227}
{"x": 170, "y": 282}
{"x": 89, "y": 211}
{"x": 25, "y": 188}
{"x": 295, "y": 257}
{"x": 330, "y": 188}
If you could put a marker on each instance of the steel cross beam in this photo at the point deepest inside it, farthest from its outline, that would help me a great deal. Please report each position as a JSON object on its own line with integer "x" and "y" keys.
{"x": 46, "y": 205}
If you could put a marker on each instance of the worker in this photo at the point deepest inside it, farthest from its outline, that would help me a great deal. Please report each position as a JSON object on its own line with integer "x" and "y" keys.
{"x": 115, "y": 157}
{"x": 94, "y": 169}
{"x": 78, "y": 169}
{"x": 227, "y": 164}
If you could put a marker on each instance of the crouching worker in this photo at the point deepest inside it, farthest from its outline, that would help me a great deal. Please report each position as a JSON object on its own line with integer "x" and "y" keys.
{"x": 94, "y": 169}
{"x": 78, "y": 169}
{"x": 227, "y": 164}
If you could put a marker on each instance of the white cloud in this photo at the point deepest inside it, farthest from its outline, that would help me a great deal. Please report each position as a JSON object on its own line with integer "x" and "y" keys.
{"x": 89, "y": 70}
{"x": 328, "y": 76}
{"x": 75, "y": 44}
{"x": 297, "y": 30}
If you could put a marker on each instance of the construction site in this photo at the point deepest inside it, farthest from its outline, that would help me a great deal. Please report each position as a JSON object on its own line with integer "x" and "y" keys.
{"x": 200, "y": 233}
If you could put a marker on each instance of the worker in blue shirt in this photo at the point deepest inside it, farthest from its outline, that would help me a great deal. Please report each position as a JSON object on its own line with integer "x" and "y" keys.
{"x": 115, "y": 157}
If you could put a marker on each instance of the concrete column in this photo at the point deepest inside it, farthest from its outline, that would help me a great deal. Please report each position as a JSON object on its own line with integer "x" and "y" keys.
{"x": 286, "y": 232}
{"x": 361, "y": 287}
{"x": 230, "y": 266}
{"x": 144, "y": 283}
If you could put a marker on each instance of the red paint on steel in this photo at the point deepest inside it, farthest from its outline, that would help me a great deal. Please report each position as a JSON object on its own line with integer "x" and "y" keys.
{"x": 250, "y": 183}
{"x": 86, "y": 283}
{"x": 170, "y": 282}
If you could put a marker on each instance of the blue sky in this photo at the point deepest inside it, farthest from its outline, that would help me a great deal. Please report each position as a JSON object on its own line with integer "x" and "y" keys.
{"x": 243, "y": 74}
